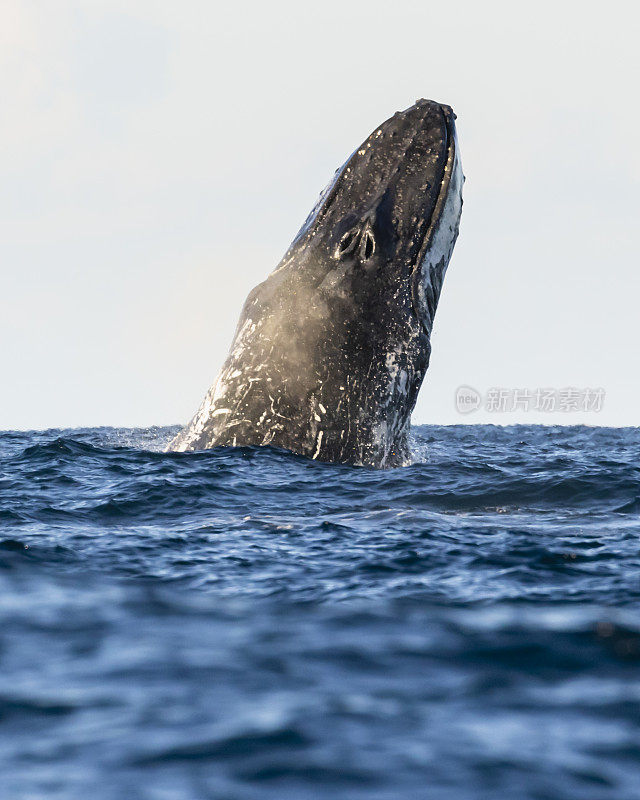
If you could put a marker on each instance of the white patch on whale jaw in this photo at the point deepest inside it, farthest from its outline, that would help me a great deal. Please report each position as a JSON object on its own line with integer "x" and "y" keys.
{"x": 442, "y": 239}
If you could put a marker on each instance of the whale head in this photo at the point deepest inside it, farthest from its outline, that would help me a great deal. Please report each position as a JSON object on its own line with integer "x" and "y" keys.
{"x": 331, "y": 349}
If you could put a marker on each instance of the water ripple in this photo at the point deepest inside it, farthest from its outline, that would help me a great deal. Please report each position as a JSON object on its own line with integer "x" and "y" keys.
{"x": 245, "y": 623}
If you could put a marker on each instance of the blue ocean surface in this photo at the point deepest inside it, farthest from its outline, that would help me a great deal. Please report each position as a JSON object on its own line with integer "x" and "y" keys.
{"x": 245, "y": 623}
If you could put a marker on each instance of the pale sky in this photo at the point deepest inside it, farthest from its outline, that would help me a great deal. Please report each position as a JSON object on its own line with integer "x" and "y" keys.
{"x": 157, "y": 158}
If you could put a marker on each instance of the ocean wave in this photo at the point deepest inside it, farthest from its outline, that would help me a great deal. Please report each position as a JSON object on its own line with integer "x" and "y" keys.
{"x": 249, "y": 623}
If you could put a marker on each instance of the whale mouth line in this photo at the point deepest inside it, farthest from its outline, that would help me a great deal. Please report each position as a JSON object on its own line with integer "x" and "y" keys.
{"x": 443, "y": 183}
{"x": 436, "y": 214}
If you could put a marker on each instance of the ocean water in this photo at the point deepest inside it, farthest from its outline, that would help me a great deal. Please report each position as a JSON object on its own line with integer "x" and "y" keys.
{"x": 240, "y": 624}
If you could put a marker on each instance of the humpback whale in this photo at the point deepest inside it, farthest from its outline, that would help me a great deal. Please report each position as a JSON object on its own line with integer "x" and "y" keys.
{"x": 331, "y": 349}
